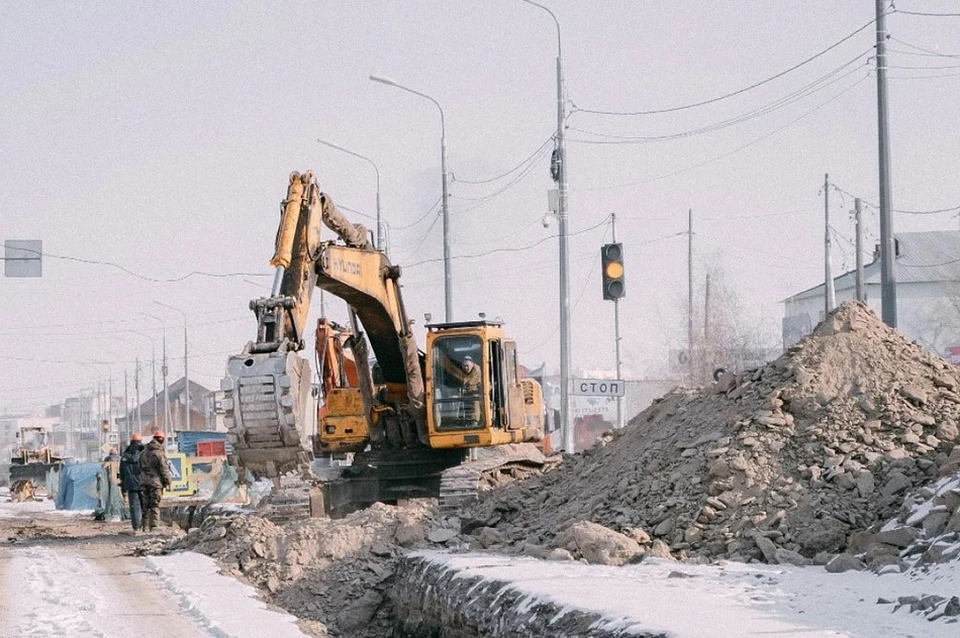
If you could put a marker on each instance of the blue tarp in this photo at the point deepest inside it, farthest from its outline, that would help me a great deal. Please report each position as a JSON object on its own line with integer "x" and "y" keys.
{"x": 87, "y": 486}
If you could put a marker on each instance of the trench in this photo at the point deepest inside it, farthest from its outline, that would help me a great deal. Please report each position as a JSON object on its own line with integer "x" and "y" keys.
{"x": 433, "y": 600}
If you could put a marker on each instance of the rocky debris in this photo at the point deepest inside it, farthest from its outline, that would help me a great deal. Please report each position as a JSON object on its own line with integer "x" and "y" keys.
{"x": 334, "y": 572}
{"x": 22, "y": 490}
{"x": 783, "y": 464}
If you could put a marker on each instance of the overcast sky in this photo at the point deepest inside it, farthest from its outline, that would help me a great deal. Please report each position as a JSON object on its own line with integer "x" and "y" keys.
{"x": 159, "y": 137}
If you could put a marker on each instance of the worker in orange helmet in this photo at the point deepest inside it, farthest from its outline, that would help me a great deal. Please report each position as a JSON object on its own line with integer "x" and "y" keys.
{"x": 154, "y": 477}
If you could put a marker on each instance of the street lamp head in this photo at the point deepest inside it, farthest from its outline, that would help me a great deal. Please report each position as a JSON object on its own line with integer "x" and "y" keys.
{"x": 383, "y": 80}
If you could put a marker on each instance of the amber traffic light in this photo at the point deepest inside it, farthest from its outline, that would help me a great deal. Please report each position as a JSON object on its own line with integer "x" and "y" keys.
{"x": 614, "y": 285}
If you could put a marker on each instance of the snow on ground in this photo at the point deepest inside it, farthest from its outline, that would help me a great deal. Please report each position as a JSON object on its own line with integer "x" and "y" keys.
{"x": 700, "y": 601}
{"x": 9, "y": 509}
{"x": 222, "y": 605}
{"x": 47, "y": 592}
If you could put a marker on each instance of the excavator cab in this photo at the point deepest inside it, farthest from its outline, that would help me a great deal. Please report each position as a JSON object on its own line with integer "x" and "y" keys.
{"x": 475, "y": 396}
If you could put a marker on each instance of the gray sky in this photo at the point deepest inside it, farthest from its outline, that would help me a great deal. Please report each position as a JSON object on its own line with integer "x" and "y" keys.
{"x": 159, "y": 137}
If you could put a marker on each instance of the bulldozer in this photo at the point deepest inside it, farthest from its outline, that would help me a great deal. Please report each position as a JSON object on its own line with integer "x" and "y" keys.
{"x": 34, "y": 455}
{"x": 417, "y": 422}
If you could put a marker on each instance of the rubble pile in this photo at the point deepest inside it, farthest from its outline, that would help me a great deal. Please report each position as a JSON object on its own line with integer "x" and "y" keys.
{"x": 781, "y": 464}
{"x": 335, "y": 572}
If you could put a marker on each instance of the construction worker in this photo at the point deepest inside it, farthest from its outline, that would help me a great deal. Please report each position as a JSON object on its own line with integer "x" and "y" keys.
{"x": 154, "y": 477}
{"x": 130, "y": 480}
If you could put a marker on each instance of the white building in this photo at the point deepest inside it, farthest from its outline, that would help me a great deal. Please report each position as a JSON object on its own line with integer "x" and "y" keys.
{"x": 927, "y": 271}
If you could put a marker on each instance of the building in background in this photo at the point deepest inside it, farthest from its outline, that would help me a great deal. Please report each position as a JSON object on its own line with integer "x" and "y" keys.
{"x": 201, "y": 412}
{"x": 927, "y": 270}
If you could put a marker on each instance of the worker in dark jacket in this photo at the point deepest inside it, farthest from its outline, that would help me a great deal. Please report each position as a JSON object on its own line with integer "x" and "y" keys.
{"x": 130, "y": 480}
{"x": 154, "y": 477}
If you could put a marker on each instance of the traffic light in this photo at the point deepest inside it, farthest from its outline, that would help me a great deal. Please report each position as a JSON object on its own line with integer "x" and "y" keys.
{"x": 614, "y": 286}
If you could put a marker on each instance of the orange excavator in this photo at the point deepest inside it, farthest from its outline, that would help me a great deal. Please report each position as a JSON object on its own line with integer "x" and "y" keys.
{"x": 412, "y": 429}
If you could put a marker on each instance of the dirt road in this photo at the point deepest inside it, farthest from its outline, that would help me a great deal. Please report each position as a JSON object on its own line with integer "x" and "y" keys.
{"x": 63, "y": 575}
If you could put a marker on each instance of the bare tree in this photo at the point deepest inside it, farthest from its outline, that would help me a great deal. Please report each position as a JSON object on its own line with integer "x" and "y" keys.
{"x": 723, "y": 336}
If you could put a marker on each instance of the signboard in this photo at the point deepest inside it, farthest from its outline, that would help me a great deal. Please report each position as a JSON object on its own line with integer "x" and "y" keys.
{"x": 22, "y": 258}
{"x": 596, "y": 387}
{"x": 181, "y": 475}
{"x": 105, "y": 448}
{"x": 113, "y": 438}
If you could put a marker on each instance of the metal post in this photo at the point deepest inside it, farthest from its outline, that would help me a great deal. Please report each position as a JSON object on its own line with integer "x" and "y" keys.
{"x": 829, "y": 295}
{"x": 857, "y": 212}
{"x": 379, "y": 233}
{"x": 186, "y": 367}
{"x": 706, "y": 312}
{"x": 561, "y": 179}
{"x": 447, "y": 275}
{"x": 136, "y": 384}
{"x": 690, "y": 357}
{"x": 126, "y": 407}
{"x": 616, "y": 331}
{"x": 166, "y": 388}
{"x": 888, "y": 279}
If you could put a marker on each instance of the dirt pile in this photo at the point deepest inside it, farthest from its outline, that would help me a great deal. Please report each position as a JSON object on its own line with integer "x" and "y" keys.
{"x": 335, "y": 572}
{"x": 779, "y": 464}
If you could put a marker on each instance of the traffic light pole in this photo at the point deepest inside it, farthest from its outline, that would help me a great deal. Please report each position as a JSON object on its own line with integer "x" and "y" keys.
{"x": 616, "y": 330}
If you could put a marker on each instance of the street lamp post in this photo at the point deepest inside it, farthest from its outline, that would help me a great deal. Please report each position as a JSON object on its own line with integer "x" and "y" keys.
{"x": 447, "y": 275}
{"x": 379, "y": 238}
{"x": 163, "y": 372}
{"x": 153, "y": 370}
{"x": 186, "y": 367}
{"x": 561, "y": 179}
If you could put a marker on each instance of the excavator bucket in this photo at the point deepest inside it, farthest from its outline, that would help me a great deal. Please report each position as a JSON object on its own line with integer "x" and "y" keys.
{"x": 266, "y": 411}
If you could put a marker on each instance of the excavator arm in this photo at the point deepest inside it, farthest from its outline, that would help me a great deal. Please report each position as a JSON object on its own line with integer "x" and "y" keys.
{"x": 267, "y": 385}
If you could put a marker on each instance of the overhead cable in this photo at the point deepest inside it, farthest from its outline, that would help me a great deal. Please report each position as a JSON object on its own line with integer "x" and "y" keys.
{"x": 808, "y": 90}
{"x": 731, "y": 152}
{"x": 733, "y": 93}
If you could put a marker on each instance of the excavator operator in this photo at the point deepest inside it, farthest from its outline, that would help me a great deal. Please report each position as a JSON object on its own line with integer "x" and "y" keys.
{"x": 466, "y": 373}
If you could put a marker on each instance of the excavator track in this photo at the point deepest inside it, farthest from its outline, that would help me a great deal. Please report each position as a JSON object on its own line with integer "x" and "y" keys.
{"x": 463, "y": 484}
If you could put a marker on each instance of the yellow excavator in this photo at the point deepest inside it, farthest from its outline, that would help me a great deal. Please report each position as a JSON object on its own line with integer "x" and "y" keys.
{"x": 412, "y": 419}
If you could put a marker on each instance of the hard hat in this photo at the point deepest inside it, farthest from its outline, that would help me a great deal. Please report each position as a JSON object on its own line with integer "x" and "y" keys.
{"x": 135, "y": 436}
{"x": 467, "y": 358}
{"x": 158, "y": 434}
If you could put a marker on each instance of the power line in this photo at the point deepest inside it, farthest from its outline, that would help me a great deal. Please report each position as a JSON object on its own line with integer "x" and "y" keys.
{"x": 729, "y": 153}
{"x": 867, "y": 202}
{"x": 504, "y": 174}
{"x": 420, "y": 219}
{"x": 806, "y": 91}
{"x": 732, "y": 94}
{"x": 926, "y": 14}
{"x": 928, "y": 51}
{"x": 120, "y": 267}
{"x": 509, "y": 249}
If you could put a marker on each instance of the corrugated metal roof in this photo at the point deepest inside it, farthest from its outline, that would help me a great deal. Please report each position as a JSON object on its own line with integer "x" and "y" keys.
{"x": 932, "y": 256}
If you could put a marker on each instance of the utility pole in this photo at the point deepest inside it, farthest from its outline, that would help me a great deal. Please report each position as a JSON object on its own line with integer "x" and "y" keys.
{"x": 126, "y": 407}
{"x": 136, "y": 385}
{"x": 166, "y": 388}
{"x": 560, "y": 177}
{"x": 858, "y": 223}
{"x": 706, "y": 312}
{"x": 888, "y": 279}
{"x": 829, "y": 296}
{"x": 616, "y": 331}
{"x": 690, "y": 291}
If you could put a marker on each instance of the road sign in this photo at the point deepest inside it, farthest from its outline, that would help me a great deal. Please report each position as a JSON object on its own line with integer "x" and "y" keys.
{"x": 597, "y": 387}
{"x": 113, "y": 438}
{"x": 23, "y": 258}
{"x": 105, "y": 448}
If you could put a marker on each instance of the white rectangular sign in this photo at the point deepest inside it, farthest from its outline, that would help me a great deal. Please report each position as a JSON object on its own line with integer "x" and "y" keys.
{"x": 596, "y": 387}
